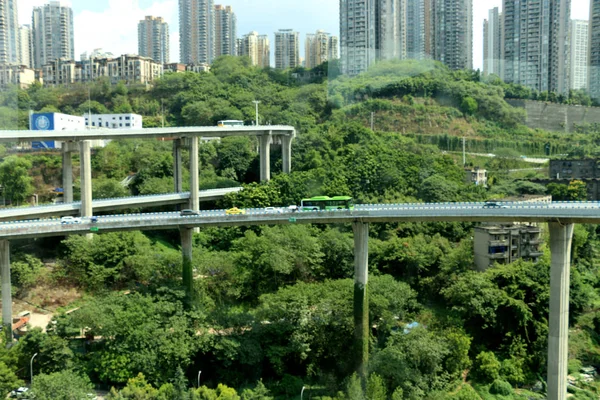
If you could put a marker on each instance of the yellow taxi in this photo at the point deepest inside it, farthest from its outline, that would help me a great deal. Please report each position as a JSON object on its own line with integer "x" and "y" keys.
{"x": 234, "y": 211}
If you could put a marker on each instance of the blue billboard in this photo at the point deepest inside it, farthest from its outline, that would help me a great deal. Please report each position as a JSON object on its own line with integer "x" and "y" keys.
{"x": 42, "y": 122}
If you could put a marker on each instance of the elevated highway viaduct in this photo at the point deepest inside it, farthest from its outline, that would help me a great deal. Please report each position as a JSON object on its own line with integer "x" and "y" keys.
{"x": 560, "y": 216}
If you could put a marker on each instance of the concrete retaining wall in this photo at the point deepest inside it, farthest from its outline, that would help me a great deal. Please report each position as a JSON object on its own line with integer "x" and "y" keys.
{"x": 556, "y": 117}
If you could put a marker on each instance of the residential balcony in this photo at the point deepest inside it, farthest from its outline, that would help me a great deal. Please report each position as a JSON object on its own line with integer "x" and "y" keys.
{"x": 497, "y": 256}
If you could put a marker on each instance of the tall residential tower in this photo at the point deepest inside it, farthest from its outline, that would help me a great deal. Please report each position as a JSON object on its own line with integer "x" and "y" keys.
{"x": 53, "y": 36}
{"x": 225, "y": 31}
{"x": 153, "y": 39}
{"x": 452, "y": 25}
{"x": 256, "y": 47}
{"x": 492, "y": 43}
{"x": 287, "y": 49}
{"x": 357, "y": 35}
{"x": 196, "y": 31}
{"x": 536, "y": 43}
{"x": 579, "y": 54}
{"x": 594, "y": 50}
{"x": 318, "y": 48}
{"x": 9, "y": 32}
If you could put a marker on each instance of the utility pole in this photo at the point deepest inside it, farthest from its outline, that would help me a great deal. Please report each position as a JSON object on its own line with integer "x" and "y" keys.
{"x": 162, "y": 106}
{"x": 464, "y": 153}
{"x": 256, "y": 102}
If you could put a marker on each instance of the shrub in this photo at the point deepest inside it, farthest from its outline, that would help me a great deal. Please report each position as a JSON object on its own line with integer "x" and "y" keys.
{"x": 501, "y": 387}
{"x": 487, "y": 366}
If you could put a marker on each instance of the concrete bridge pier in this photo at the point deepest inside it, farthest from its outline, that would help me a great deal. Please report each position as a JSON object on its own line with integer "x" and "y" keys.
{"x": 265, "y": 156}
{"x": 558, "y": 336}
{"x": 187, "y": 236}
{"x": 177, "y": 165}
{"x": 286, "y": 153}
{"x": 6, "y": 290}
{"x": 86, "y": 178}
{"x": 194, "y": 174}
{"x": 361, "y": 299}
{"x": 67, "y": 170}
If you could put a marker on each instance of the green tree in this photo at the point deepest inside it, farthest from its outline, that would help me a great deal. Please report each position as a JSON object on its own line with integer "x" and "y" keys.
{"x": 487, "y": 367}
{"x": 64, "y": 385}
{"x": 376, "y": 389}
{"x": 260, "y": 392}
{"x": 15, "y": 180}
{"x": 577, "y": 190}
{"x": 469, "y": 106}
{"x": 108, "y": 188}
{"x": 8, "y": 379}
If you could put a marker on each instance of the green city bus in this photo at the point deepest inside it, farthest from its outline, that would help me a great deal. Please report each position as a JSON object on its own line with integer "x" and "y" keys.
{"x": 327, "y": 203}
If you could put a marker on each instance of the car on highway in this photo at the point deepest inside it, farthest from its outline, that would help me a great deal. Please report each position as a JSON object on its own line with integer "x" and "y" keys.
{"x": 70, "y": 220}
{"x": 188, "y": 213}
{"x": 493, "y": 204}
{"x": 273, "y": 210}
{"x": 292, "y": 208}
{"x": 234, "y": 211}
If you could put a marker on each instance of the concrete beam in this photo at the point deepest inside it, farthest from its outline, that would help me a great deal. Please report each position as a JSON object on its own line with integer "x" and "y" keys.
{"x": 6, "y": 290}
{"x": 265, "y": 157}
{"x": 86, "y": 178}
{"x": 361, "y": 299}
{"x": 177, "y": 165}
{"x": 286, "y": 153}
{"x": 558, "y": 336}
{"x": 187, "y": 236}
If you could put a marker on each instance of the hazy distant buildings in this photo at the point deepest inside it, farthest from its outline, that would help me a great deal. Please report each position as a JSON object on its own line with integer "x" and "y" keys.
{"x": 594, "y": 50}
{"x": 196, "y": 31}
{"x": 287, "y": 49}
{"x": 257, "y": 47}
{"x": 492, "y": 43}
{"x": 26, "y": 46}
{"x": 579, "y": 54}
{"x": 536, "y": 43}
{"x": 452, "y": 25}
{"x": 153, "y": 39}
{"x": 318, "y": 48}
{"x": 9, "y": 32}
{"x": 52, "y": 33}
{"x": 390, "y": 29}
{"x": 416, "y": 33}
{"x": 225, "y": 31}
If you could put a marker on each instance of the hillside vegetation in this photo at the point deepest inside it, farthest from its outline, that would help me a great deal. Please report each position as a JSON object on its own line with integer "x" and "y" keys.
{"x": 274, "y": 311}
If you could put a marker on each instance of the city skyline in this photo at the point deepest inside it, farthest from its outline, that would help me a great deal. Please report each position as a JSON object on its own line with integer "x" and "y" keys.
{"x": 262, "y": 16}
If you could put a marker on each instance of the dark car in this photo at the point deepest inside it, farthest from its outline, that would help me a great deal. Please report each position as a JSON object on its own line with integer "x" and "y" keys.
{"x": 187, "y": 213}
{"x": 493, "y": 204}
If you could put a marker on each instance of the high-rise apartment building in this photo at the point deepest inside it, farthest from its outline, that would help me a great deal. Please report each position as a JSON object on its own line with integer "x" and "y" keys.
{"x": 492, "y": 43}
{"x": 52, "y": 33}
{"x": 415, "y": 29}
{"x": 536, "y": 43}
{"x": 153, "y": 39}
{"x": 196, "y": 31}
{"x": 225, "y": 31}
{"x": 579, "y": 54}
{"x": 257, "y": 47}
{"x": 26, "y": 46}
{"x": 287, "y": 49}
{"x": 9, "y": 32}
{"x": 318, "y": 48}
{"x": 357, "y": 35}
{"x": 594, "y": 50}
{"x": 452, "y": 24}
{"x": 390, "y": 29}
{"x": 334, "y": 48}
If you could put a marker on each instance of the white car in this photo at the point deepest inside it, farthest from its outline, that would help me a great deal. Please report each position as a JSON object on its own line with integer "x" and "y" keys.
{"x": 70, "y": 220}
{"x": 273, "y": 210}
{"x": 18, "y": 392}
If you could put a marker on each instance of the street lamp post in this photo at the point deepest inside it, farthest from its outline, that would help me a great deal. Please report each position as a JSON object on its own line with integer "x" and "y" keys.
{"x": 31, "y": 367}
{"x": 199, "y": 372}
{"x": 256, "y": 104}
{"x": 302, "y": 393}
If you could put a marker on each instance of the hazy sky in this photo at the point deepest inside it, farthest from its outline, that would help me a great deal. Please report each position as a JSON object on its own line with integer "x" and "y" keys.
{"x": 112, "y": 24}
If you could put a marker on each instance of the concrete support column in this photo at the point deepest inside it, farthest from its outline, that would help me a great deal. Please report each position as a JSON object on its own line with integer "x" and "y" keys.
{"x": 265, "y": 157}
{"x": 177, "y": 165}
{"x": 187, "y": 235}
{"x": 67, "y": 174}
{"x": 558, "y": 337}
{"x": 361, "y": 299}
{"x": 194, "y": 178}
{"x": 286, "y": 153}
{"x": 86, "y": 178}
{"x": 6, "y": 293}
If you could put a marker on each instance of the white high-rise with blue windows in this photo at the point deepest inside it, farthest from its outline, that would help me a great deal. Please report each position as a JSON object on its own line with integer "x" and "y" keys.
{"x": 197, "y": 31}
{"x": 53, "y": 35}
{"x": 9, "y": 33}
